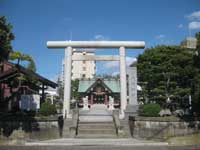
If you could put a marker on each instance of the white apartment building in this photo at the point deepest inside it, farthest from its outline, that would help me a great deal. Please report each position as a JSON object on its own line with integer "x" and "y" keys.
{"x": 81, "y": 69}
{"x": 189, "y": 42}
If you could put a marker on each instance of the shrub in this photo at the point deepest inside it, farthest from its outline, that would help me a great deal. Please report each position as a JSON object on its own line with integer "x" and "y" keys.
{"x": 150, "y": 110}
{"x": 47, "y": 109}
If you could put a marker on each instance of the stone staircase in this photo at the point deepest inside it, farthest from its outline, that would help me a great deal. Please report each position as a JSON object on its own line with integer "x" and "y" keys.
{"x": 96, "y": 130}
{"x": 96, "y": 123}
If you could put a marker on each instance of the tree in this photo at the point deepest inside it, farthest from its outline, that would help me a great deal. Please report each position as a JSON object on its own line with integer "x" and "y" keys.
{"x": 74, "y": 89}
{"x": 198, "y": 40}
{"x": 197, "y": 57}
{"x": 17, "y": 55}
{"x": 60, "y": 88}
{"x": 107, "y": 76}
{"x": 6, "y": 36}
{"x": 169, "y": 72}
{"x": 196, "y": 80}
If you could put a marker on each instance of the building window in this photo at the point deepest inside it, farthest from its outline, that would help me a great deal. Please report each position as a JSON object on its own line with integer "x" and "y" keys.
{"x": 84, "y": 61}
{"x": 84, "y": 68}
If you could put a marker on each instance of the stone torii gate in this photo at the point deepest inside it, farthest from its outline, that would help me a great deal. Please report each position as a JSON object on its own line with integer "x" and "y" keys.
{"x": 69, "y": 45}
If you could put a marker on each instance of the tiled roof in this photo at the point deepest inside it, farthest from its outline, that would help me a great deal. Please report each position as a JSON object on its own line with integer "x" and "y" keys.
{"x": 112, "y": 84}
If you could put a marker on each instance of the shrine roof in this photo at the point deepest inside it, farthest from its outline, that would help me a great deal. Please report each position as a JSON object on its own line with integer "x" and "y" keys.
{"x": 112, "y": 84}
{"x": 16, "y": 70}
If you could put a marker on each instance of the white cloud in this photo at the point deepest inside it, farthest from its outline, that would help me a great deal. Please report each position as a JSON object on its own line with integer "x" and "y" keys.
{"x": 194, "y": 25}
{"x": 194, "y": 15}
{"x": 111, "y": 64}
{"x": 100, "y": 37}
{"x": 160, "y": 36}
{"x": 115, "y": 64}
{"x": 180, "y": 26}
{"x": 130, "y": 60}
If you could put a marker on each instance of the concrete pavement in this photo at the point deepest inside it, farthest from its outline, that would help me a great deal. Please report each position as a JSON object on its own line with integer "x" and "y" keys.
{"x": 96, "y": 142}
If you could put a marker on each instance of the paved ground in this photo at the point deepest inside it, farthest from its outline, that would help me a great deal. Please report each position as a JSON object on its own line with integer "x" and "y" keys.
{"x": 97, "y": 142}
{"x": 99, "y": 147}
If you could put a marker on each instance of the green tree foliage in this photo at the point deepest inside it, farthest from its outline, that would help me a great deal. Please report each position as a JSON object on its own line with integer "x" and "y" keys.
{"x": 196, "y": 80}
{"x": 26, "y": 80}
{"x": 74, "y": 89}
{"x": 6, "y": 36}
{"x": 17, "y": 55}
{"x": 198, "y": 40}
{"x": 107, "y": 76}
{"x": 150, "y": 110}
{"x": 60, "y": 89}
{"x": 47, "y": 109}
{"x": 168, "y": 73}
{"x": 197, "y": 56}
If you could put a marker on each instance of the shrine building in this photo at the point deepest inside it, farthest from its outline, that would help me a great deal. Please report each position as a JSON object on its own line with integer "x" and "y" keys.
{"x": 99, "y": 91}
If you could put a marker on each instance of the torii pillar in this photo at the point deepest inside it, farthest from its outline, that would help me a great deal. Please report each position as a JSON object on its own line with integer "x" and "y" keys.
{"x": 67, "y": 81}
{"x": 69, "y": 45}
{"x": 123, "y": 85}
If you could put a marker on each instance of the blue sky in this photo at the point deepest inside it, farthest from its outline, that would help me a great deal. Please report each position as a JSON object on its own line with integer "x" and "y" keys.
{"x": 154, "y": 21}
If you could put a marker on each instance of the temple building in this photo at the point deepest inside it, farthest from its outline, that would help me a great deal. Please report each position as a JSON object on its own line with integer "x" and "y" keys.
{"x": 99, "y": 91}
{"x": 20, "y": 86}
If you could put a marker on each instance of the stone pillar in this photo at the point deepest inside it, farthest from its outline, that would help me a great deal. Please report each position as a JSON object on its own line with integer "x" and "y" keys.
{"x": 67, "y": 86}
{"x": 132, "y": 107}
{"x": 123, "y": 87}
{"x": 85, "y": 103}
{"x": 111, "y": 103}
{"x": 133, "y": 86}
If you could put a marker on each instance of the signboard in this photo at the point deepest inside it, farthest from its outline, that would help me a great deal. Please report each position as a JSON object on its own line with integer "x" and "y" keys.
{"x": 29, "y": 102}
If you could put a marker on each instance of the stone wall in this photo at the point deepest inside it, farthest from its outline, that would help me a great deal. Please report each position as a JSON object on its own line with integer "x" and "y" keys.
{"x": 162, "y": 128}
{"x": 31, "y": 129}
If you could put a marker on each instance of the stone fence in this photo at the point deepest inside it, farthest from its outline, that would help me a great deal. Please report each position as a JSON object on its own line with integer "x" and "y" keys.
{"x": 162, "y": 128}
{"x": 31, "y": 129}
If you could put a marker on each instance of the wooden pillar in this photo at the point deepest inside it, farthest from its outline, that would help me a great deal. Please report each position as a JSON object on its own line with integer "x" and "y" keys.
{"x": 106, "y": 99}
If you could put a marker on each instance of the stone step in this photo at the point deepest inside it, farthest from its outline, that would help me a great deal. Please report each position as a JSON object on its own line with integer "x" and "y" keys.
{"x": 96, "y": 136}
{"x": 96, "y": 126}
{"x": 92, "y": 122}
{"x": 96, "y": 131}
{"x": 96, "y": 123}
{"x": 95, "y": 119}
